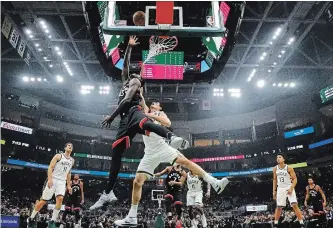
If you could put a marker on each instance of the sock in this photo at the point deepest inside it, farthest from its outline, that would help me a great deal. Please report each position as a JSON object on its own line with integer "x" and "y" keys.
{"x": 33, "y": 214}
{"x": 157, "y": 129}
{"x": 115, "y": 166}
{"x": 301, "y": 221}
{"x": 178, "y": 208}
{"x": 55, "y": 214}
{"x": 204, "y": 221}
{"x": 276, "y": 222}
{"x": 209, "y": 179}
{"x": 133, "y": 211}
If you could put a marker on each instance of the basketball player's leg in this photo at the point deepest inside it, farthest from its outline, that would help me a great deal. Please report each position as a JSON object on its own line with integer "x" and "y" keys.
{"x": 145, "y": 170}
{"x": 68, "y": 209}
{"x": 60, "y": 190}
{"x": 139, "y": 120}
{"x": 218, "y": 185}
{"x": 199, "y": 207}
{"x": 281, "y": 201}
{"x": 46, "y": 195}
{"x": 76, "y": 211}
{"x": 293, "y": 202}
{"x": 190, "y": 202}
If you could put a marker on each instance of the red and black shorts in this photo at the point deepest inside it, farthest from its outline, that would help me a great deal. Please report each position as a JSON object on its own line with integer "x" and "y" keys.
{"x": 131, "y": 124}
{"x": 73, "y": 203}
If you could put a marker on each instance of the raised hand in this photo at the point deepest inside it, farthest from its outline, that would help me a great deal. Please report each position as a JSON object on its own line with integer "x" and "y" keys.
{"x": 107, "y": 121}
{"x": 133, "y": 41}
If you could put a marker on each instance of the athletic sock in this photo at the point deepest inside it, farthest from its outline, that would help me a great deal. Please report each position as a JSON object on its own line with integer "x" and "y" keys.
{"x": 276, "y": 222}
{"x": 208, "y": 178}
{"x": 55, "y": 214}
{"x": 133, "y": 211}
{"x": 301, "y": 221}
{"x": 33, "y": 214}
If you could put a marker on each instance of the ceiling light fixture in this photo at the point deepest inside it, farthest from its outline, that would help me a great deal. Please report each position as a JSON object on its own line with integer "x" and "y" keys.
{"x": 25, "y": 79}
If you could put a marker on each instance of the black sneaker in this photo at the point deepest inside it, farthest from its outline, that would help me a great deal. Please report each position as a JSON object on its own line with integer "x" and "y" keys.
{"x": 31, "y": 223}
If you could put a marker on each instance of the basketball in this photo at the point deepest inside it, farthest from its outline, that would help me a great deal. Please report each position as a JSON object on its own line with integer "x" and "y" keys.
{"x": 139, "y": 18}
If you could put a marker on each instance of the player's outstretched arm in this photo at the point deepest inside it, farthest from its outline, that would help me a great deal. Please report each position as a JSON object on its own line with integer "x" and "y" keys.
{"x": 322, "y": 195}
{"x": 125, "y": 72}
{"x": 134, "y": 85}
{"x": 143, "y": 102}
{"x": 274, "y": 183}
{"x": 166, "y": 170}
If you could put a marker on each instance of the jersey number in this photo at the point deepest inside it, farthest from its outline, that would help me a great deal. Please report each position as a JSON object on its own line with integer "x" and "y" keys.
{"x": 193, "y": 186}
{"x": 281, "y": 179}
{"x": 65, "y": 169}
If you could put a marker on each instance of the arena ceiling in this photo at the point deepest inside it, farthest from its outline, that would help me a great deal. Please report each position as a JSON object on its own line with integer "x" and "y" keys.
{"x": 307, "y": 61}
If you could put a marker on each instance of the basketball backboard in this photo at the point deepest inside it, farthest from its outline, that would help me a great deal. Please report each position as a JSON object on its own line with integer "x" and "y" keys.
{"x": 163, "y": 19}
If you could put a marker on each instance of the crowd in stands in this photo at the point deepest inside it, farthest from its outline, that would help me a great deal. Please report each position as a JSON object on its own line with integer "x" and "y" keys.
{"x": 21, "y": 188}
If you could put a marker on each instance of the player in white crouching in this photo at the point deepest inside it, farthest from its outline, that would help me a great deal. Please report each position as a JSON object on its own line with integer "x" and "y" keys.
{"x": 58, "y": 177}
{"x": 157, "y": 150}
{"x": 284, "y": 183}
{"x": 194, "y": 198}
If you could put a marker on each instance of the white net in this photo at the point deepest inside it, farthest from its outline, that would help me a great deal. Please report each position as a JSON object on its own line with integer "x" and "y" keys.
{"x": 159, "y": 45}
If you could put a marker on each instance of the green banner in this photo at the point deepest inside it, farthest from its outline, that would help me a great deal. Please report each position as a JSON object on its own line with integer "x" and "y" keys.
{"x": 81, "y": 155}
{"x": 326, "y": 94}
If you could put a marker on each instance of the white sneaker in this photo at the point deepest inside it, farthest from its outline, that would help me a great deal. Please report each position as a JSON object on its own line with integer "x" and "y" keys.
{"x": 104, "y": 199}
{"x": 219, "y": 185}
{"x": 179, "y": 143}
{"x": 128, "y": 221}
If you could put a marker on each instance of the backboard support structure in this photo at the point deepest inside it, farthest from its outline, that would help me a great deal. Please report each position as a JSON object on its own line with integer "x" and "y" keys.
{"x": 157, "y": 195}
{"x": 165, "y": 12}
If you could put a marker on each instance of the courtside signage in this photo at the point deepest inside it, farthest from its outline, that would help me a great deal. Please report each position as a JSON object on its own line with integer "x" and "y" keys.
{"x": 10, "y": 221}
{"x": 256, "y": 208}
{"x": 298, "y": 132}
{"x": 14, "y": 127}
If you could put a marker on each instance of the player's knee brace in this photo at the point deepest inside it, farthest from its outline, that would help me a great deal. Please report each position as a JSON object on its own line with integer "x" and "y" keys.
{"x": 168, "y": 202}
{"x": 178, "y": 207}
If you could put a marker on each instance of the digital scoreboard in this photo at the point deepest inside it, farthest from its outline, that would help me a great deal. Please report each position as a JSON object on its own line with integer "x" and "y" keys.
{"x": 166, "y": 66}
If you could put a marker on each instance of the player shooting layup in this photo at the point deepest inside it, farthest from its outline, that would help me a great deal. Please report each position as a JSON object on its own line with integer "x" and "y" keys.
{"x": 132, "y": 121}
{"x": 284, "y": 183}
{"x": 157, "y": 151}
{"x": 58, "y": 173}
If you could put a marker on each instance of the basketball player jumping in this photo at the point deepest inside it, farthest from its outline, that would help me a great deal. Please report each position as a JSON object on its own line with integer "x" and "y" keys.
{"x": 284, "y": 183}
{"x": 132, "y": 121}
{"x": 315, "y": 199}
{"x": 58, "y": 173}
{"x": 156, "y": 152}
{"x": 194, "y": 198}
{"x": 76, "y": 199}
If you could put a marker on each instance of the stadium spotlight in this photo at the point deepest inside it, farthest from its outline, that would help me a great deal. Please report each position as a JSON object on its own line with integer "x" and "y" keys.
{"x": 278, "y": 31}
{"x": 60, "y": 79}
{"x": 286, "y": 84}
{"x": 46, "y": 31}
{"x": 264, "y": 54}
{"x": 25, "y": 79}
{"x": 280, "y": 84}
{"x": 108, "y": 88}
{"x": 261, "y": 83}
{"x": 31, "y": 36}
{"x": 45, "y": 80}
{"x": 214, "y": 94}
{"x": 215, "y": 90}
{"x": 249, "y": 79}
{"x": 292, "y": 84}
{"x": 28, "y": 31}
{"x": 57, "y": 48}
{"x": 270, "y": 42}
{"x": 32, "y": 79}
{"x": 59, "y": 53}
{"x": 262, "y": 57}
{"x": 233, "y": 90}
{"x": 279, "y": 56}
{"x": 39, "y": 79}
{"x": 50, "y": 65}
{"x": 283, "y": 51}
{"x": 37, "y": 44}
{"x": 269, "y": 71}
{"x": 274, "y": 37}
{"x": 42, "y": 22}
{"x": 274, "y": 84}
{"x": 39, "y": 49}
{"x": 235, "y": 95}
{"x": 274, "y": 63}
{"x": 50, "y": 36}
{"x": 84, "y": 91}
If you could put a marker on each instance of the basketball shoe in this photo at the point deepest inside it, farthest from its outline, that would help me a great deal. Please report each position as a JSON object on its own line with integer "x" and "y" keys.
{"x": 127, "y": 222}
{"x": 220, "y": 185}
{"x": 104, "y": 199}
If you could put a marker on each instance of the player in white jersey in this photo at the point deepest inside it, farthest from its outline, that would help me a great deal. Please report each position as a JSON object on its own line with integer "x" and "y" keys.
{"x": 157, "y": 151}
{"x": 194, "y": 198}
{"x": 284, "y": 183}
{"x": 58, "y": 177}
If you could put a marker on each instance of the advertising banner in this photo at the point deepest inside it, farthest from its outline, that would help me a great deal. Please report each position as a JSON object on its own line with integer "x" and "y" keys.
{"x": 298, "y": 132}
{"x": 14, "y": 127}
{"x": 256, "y": 208}
{"x": 10, "y": 221}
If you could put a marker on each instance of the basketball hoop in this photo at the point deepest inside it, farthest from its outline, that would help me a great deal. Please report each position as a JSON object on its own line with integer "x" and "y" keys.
{"x": 160, "y": 44}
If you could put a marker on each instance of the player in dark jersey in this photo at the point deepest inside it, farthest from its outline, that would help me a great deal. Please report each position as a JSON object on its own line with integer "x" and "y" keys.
{"x": 75, "y": 200}
{"x": 315, "y": 200}
{"x": 132, "y": 121}
{"x": 173, "y": 183}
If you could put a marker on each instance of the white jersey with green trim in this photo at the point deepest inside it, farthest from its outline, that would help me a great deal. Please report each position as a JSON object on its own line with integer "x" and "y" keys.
{"x": 62, "y": 168}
